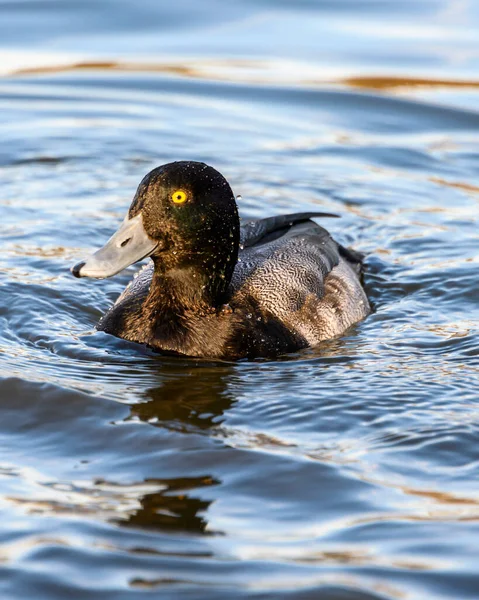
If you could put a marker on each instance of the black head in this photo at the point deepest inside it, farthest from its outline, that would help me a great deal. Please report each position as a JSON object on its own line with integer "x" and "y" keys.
{"x": 190, "y": 210}
{"x": 184, "y": 216}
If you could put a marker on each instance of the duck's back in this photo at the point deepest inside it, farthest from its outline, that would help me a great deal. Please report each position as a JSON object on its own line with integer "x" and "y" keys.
{"x": 299, "y": 275}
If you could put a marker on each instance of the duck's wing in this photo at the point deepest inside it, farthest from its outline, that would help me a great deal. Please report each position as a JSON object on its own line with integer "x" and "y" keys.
{"x": 287, "y": 252}
{"x": 297, "y": 279}
{"x": 255, "y": 232}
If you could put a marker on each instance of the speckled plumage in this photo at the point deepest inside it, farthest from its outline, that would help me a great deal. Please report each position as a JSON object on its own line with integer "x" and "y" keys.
{"x": 216, "y": 290}
{"x": 292, "y": 287}
{"x": 305, "y": 280}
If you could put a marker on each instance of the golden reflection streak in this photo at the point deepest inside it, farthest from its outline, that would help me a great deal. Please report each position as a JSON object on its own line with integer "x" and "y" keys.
{"x": 197, "y": 70}
{"x": 222, "y": 70}
{"x": 356, "y": 557}
{"x": 387, "y": 83}
{"x": 456, "y": 184}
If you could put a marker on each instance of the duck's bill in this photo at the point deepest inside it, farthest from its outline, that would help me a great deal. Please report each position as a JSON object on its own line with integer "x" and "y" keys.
{"x": 127, "y": 246}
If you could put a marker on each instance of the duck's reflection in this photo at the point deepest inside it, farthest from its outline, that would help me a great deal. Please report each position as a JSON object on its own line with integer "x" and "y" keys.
{"x": 186, "y": 399}
{"x": 189, "y": 399}
{"x": 172, "y": 508}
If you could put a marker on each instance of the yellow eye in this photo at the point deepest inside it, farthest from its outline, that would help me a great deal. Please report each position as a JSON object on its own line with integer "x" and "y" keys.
{"x": 179, "y": 197}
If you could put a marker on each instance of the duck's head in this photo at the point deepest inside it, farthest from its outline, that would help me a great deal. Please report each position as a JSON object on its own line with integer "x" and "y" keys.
{"x": 184, "y": 216}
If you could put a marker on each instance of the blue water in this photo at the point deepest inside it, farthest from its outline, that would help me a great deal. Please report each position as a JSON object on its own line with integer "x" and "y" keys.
{"x": 347, "y": 472}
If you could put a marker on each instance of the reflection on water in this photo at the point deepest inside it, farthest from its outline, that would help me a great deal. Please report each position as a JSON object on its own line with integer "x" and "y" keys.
{"x": 172, "y": 508}
{"x": 345, "y": 472}
{"x": 251, "y": 72}
{"x": 186, "y": 400}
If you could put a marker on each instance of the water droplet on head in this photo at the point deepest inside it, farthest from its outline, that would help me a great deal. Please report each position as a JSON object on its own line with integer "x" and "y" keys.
{"x": 239, "y": 197}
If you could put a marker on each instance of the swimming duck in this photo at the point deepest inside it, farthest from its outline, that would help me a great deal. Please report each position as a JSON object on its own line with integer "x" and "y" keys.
{"x": 215, "y": 289}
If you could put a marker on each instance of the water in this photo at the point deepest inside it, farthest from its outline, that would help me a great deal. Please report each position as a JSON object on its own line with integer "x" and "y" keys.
{"x": 345, "y": 472}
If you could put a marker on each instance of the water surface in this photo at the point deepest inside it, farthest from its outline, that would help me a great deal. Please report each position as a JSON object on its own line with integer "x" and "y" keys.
{"x": 344, "y": 472}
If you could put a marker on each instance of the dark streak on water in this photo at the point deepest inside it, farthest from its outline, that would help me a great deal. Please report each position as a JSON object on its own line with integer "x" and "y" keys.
{"x": 346, "y": 472}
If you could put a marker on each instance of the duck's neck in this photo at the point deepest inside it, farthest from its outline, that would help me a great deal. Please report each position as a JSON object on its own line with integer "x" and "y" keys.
{"x": 178, "y": 301}
{"x": 180, "y": 291}
{"x": 190, "y": 283}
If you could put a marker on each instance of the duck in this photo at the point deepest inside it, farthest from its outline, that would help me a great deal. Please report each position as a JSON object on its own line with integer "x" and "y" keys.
{"x": 214, "y": 289}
